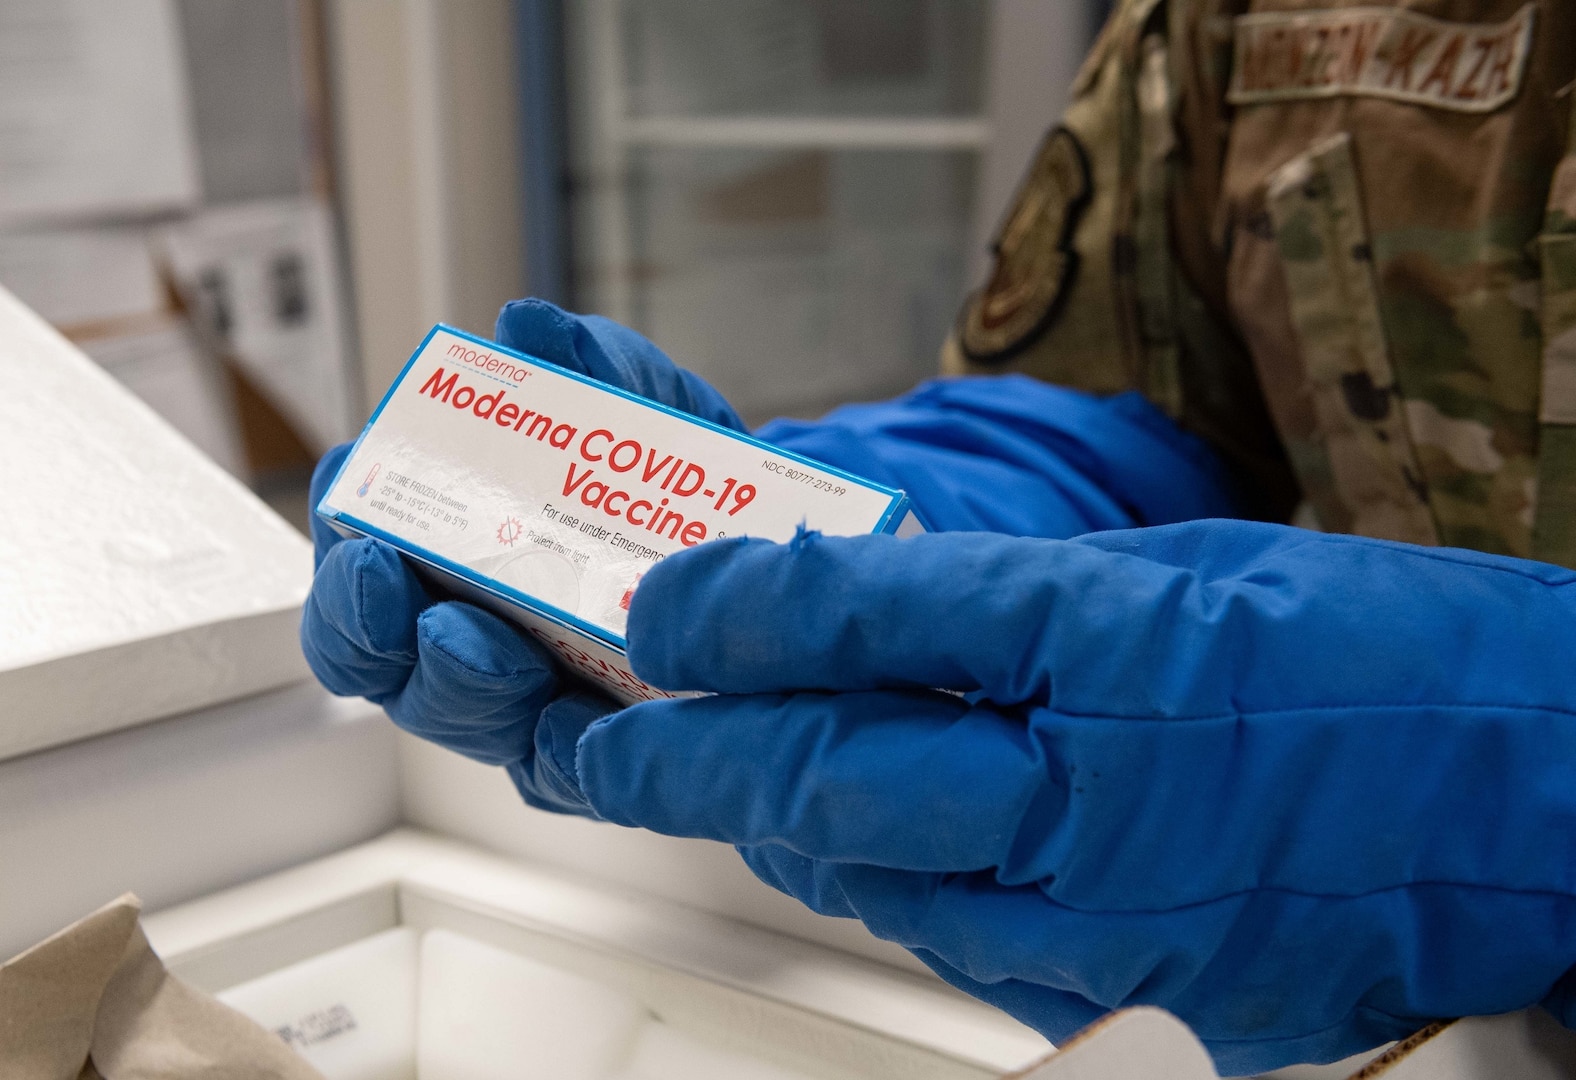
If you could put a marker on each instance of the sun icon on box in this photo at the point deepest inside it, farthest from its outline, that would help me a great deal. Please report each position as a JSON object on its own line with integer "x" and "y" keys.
{"x": 510, "y": 531}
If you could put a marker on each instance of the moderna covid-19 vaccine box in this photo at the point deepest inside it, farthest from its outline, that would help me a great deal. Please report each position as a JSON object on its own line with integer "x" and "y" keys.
{"x": 544, "y": 495}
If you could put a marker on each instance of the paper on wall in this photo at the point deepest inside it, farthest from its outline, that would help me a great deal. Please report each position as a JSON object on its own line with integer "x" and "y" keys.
{"x": 265, "y": 277}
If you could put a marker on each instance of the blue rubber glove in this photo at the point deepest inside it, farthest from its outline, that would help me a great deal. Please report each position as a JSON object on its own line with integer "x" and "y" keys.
{"x": 609, "y": 353}
{"x": 1015, "y": 455}
{"x": 1307, "y": 792}
{"x": 446, "y": 670}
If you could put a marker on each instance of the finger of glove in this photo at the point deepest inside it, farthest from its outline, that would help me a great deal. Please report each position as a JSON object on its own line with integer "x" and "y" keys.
{"x": 358, "y": 628}
{"x": 818, "y": 885}
{"x": 1058, "y": 969}
{"x": 917, "y": 780}
{"x": 809, "y": 881}
{"x": 1561, "y": 1000}
{"x": 1212, "y": 618}
{"x": 992, "y": 933}
{"x": 478, "y": 685}
{"x": 1056, "y": 1014}
{"x": 328, "y": 466}
{"x": 610, "y": 353}
{"x": 959, "y": 611}
{"x": 1264, "y": 977}
{"x": 1059, "y": 1015}
{"x": 647, "y": 371}
{"x": 547, "y": 779}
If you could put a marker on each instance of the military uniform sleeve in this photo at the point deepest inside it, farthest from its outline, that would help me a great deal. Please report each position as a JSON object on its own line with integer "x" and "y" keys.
{"x": 1106, "y": 277}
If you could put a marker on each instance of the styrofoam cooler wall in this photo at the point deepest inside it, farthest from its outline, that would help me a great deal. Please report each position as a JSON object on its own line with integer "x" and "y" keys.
{"x": 158, "y": 729}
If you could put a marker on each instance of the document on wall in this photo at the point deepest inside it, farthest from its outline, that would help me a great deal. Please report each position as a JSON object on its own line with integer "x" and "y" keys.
{"x": 94, "y": 114}
{"x": 265, "y": 277}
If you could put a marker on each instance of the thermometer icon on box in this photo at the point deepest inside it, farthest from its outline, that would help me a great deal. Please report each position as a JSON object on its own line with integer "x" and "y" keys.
{"x": 366, "y": 485}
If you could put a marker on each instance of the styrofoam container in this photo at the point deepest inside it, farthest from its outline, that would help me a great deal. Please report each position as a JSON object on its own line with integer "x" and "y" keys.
{"x": 521, "y": 972}
{"x": 138, "y": 580}
{"x": 487, "y": 1014}
{"x": 350, "y": 1011}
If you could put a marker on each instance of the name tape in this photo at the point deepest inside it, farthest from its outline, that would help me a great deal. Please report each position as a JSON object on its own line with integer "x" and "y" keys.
{"x": 1380, "y": 52}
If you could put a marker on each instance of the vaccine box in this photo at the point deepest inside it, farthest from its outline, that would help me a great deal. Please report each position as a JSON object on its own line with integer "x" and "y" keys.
{"x": 544, "y": 495}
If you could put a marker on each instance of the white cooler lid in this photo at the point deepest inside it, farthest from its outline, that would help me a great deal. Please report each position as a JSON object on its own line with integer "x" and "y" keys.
{"x": 137, "y": 578}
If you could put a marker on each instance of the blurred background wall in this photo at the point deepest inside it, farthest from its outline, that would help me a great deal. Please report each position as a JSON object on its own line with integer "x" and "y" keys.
{"x": 251, "y": 210}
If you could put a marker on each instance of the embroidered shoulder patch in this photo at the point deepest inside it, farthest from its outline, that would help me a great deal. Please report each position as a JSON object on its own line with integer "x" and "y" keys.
{"x": 1035, "y": 263}
{"x": 1380, "y": 52}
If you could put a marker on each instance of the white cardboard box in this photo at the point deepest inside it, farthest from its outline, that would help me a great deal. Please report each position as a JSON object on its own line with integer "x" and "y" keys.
{"x": 546, "y": 495}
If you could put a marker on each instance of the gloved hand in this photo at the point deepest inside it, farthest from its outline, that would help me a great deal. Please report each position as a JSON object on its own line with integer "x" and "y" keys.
{"x": 1009, "y": 455}
{"x": 446, "y": 670}
{"x": 1015, "y": 455}
{"x": 1307, "y": 792}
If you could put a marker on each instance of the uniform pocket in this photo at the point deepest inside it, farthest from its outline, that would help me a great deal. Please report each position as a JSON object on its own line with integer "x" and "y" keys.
{"x": 1554, "y": 531}
{"x": 1322, "y": 239}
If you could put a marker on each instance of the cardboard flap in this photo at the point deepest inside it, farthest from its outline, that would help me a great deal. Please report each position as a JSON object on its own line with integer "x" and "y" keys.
{"x": 94, "y": 1001}
{"x": 50, "y": 994}
{"x": 1133, "y": 1044}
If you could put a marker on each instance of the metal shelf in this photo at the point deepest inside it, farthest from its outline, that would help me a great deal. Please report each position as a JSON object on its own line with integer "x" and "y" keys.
{"x": 874, "y": 133}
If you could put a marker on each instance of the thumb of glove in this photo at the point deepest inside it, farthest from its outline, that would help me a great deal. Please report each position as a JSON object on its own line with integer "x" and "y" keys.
{"x": 610, "y": 353}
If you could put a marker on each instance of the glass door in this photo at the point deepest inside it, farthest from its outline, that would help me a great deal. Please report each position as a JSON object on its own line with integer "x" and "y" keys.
{"x": 780, "y": 193}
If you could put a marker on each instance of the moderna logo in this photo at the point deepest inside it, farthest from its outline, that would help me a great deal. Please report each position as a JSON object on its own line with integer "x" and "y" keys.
{"x": 486, "y": 361}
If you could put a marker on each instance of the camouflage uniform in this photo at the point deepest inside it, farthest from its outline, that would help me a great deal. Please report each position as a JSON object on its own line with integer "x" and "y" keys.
{"x": 1338, "y": 240}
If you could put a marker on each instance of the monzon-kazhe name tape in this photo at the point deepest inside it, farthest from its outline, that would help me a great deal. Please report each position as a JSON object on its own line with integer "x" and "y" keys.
{"x": 544, "y": 495}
